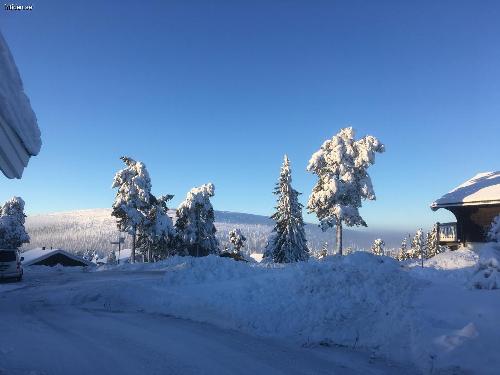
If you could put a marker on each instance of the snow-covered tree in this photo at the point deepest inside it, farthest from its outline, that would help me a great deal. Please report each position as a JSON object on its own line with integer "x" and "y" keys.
{"x": 111, "y": 258}
{"x": 132, "y": 201}
{"x": 432, "y": 242}
{"x": 155, "y": 235}
{"x": 237, "y": 239}
{"x": 417, "y": 246}
{"x": 12, "y": 217}
{"x": 403, "y": 250}
{"x": 288, "y": 242}
{"x": 494, "y": 231}
{"x": 195, "y": 223}
{"x": 378, "y": 247}
{"x": 341, "y": 166}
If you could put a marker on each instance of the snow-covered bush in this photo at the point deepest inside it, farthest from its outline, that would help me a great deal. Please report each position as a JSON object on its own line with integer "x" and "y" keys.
{"x": 288, "y": 241}
{"x": 12, "y": 217}
{"x": 341, "y": 166}
{"x": 403, "y": 250}
{"x": 494, "y": 231}
{"x": 111, "y": 258}
{"x": 378, "y": 247}
{"x": 432, "y": 242}
{"x": 195, "y": 223}
{"x": 487, "y": 274}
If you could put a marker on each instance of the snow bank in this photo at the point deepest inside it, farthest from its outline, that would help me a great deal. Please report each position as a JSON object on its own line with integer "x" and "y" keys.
{"x": 487, "y": 272}
{"x": 349, "y": 301}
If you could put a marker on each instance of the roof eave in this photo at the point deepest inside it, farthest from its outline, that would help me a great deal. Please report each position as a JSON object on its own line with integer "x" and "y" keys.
{"x": 437, "y": 206}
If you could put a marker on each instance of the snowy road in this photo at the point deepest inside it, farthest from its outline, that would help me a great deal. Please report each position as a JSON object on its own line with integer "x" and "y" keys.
{"x": 41, "y": 336}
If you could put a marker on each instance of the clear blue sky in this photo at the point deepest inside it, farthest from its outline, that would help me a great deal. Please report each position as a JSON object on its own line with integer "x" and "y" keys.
{"x": 219, "y": 90}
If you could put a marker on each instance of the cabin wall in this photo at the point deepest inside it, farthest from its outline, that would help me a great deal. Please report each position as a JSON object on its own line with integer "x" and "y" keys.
{"x": 473, "y": 222}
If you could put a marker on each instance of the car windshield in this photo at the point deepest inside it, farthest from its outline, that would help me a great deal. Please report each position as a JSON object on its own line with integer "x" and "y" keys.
{"x": 7, "y": 256}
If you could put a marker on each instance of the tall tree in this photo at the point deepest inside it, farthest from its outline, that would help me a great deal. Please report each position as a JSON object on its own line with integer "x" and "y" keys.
{"x": 195, "y": 222}
{"x": 288, "y": 242}
{"x": 12, "y": 218}
{"x": 155, "y": 235}
{"x": 132, "y": 201}
{"x": 341, "y": 166}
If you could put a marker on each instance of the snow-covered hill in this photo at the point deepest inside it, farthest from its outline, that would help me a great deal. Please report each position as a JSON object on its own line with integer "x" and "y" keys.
{"x": 95, "y": 228}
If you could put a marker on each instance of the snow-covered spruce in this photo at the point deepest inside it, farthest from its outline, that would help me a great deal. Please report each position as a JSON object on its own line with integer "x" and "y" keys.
{"x": 378, "y": 247}
{"x": 288, "y": 241}
{"x": 195, "y": 223}
{"x": 403, "y": 250}
{"x": 494, "y": 230}
{"x": 417, "y": 249}
{"x": 432, "y": 242}
{"x": 343, "y": 182}
{"x": 237, "y": 239}
{"x": 132, "y": 200}
{"x": 155, "y": 236}
{"x": 12, "y": 217}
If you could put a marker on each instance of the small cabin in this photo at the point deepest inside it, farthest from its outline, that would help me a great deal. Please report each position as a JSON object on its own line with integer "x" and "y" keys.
{"x": 53, "y": 257}
{"x": 474, "y": 204}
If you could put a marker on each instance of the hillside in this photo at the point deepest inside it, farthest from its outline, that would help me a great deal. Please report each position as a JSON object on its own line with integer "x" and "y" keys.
{"x": 95, "y": 228}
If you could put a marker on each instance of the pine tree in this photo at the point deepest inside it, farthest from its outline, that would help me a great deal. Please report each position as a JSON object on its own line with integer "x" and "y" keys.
{"x": 494, "y": 230}
{"x": 111, "y": 258}
{"x": 417, "y": 245}
{"x": 237, "y": 239}
{"x": 403, "y": 250}
{"x": 155, "y": 235}
{"x": 288, "y": 242}
{"x": 195, "y": 223}
{"x": 343, "y": 181}
{"x": 432, "y": 242}
{"x": 378, "y": 247}
{"x": 324, "y": 251}
{"x": 132, "y": 201}
{"x": 12, "y": 231}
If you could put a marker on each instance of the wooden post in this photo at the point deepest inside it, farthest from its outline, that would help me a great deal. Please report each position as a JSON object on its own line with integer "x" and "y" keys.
{"x": 339, "y": 237}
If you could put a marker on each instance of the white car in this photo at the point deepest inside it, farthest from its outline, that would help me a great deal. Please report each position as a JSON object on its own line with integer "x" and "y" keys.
{"x": 10, "y": 265}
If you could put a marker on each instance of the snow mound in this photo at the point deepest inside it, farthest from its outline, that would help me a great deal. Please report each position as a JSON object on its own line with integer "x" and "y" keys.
{"x": 487, "y": 273}
{"x": 452, "y": 260}
{"x": 343, "y": 300}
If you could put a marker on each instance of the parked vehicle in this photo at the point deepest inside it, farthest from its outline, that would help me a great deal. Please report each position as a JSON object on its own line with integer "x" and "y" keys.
{"x": 10, "y": 264}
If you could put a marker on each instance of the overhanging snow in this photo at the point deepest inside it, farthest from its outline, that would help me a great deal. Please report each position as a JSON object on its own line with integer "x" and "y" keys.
{"x": 19, "y": 132}
{"x": 483, "y": 188}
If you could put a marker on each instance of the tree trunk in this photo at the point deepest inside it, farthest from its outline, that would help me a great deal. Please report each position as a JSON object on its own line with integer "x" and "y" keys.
{"x": 132, "y": 255}
{"x": 339, "y": 238}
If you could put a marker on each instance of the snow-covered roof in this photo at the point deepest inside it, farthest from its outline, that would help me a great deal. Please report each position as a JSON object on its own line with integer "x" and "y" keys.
{"x": 36, "y": 255}
{"x": 483, "y": 188}
{"x": 19, "y": 132}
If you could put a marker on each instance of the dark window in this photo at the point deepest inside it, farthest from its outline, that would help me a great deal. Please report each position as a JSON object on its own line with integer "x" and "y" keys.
{"x": 7, "y": 256}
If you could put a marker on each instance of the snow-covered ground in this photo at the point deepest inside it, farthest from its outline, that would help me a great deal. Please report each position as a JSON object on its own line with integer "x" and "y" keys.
{"x": 354, "y": 314}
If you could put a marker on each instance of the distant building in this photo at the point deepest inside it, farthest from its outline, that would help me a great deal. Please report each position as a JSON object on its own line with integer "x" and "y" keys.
{"x": 42, "y": 257}
{"x": 474, "y": 203}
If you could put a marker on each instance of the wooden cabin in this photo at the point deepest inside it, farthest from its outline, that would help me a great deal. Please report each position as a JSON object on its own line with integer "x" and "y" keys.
{"x": 53, "y": 257}
{"x": 474, "y": 203}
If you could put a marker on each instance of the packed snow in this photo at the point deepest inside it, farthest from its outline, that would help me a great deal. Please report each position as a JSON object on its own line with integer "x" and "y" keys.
{"x": 19, "y": 132}
{"x": 483, "y": 188}
{"x": 435, "y": 319}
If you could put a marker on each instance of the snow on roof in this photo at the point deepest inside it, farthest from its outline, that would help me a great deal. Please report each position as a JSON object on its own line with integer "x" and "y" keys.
{"x": 483, "y": 188}
{"x": 36, "y": 255}
{"x": 19, "y": 132}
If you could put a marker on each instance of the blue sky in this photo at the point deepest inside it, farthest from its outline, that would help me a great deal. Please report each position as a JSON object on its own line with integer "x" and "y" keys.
{"x": 219, "y": 90}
